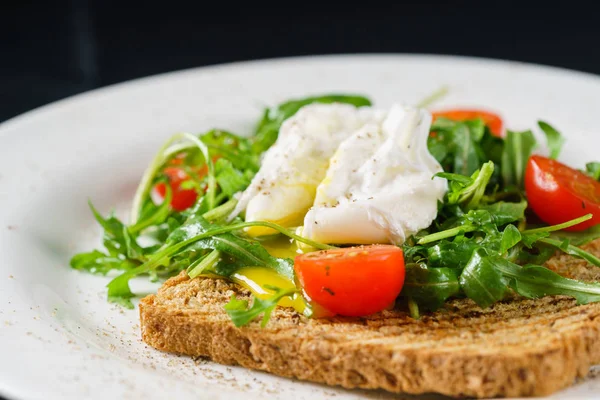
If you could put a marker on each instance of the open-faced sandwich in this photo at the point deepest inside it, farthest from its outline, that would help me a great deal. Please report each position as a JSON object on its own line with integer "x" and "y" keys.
{"x": 394, "y": 248}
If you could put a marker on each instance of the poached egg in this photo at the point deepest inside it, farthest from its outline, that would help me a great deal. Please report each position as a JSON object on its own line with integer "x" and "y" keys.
{"x": 347, "y": 175}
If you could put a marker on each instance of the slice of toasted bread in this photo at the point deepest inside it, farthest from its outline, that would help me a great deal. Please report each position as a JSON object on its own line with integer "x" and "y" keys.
{"x": 515, "y": 348}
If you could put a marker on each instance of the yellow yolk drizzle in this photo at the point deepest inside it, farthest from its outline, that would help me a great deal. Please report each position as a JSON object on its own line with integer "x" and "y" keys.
{"x": 290, "y": 220}
{"x": 256, "y": 279}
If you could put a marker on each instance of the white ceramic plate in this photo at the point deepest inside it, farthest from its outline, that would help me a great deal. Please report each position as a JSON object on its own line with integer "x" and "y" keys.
{"x": 60, "y": 339}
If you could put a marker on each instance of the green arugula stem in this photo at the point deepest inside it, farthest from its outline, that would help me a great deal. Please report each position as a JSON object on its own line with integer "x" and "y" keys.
{"x": 207, "y": 262}
{"x": 559, "y": 227}
{"x": 220, "y": 211}
{"x": 286, "y": 232}
{"x": 448, "y": 233}
{"x": 166, "y": 152}
{"x": 211, "y": 190}
{"x": 573, "y": 251}
{"x": 433, "y": 97}
{"x": 563, "y": 283}
{"x": 163, "y": 212}
{"x": 413, "y": 308}
{"x": 163, "y": 255}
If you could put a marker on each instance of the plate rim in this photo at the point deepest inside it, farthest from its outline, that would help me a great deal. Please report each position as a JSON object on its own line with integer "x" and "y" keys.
{"x": 231, "y": 67}
{"x": 262, "y": 62}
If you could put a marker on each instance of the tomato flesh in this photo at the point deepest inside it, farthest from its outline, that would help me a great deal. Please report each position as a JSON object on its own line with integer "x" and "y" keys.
{"x": 558, "y": 193}
{"x": 492, "y": 120}
{"x": 355, "y": 281}
{"x": 181, "y": 199}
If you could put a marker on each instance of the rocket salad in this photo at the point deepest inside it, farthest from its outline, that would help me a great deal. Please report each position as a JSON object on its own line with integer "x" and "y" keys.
{"x": 504, "y": 211}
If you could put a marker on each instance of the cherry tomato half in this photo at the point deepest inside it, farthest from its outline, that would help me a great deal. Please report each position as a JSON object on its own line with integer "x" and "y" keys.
{"x": 558, "y": 193}
{"x": 181, "y": 199}
{"x": 493, "y": 121}
{"x": 355, "y": 281}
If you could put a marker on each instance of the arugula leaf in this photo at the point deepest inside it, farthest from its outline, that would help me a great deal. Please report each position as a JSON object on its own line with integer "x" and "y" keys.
{"x": 581, "y": 237}
{"x": 230, "y": 179}
{"x": 474, "y": 220}
{"x": 443, "y": 124}
{"x": 455, "y": 254}
{"x": 241, "y": 315}
{"x": 554, "y": 139}
{"x": 249, "y": 252}
{"x": 506, "y": 212}
{"x": 593, "y": 169}
{"x": 430, "y": 287}
{"x": 97, "y": 262}
{"x": 510, "y": 238}
{"x": 466, "y": 160}
{"x": 564, "y": 225}
{"x": 117, "y": 239}
{"x": 518, "y": 146}
{"x": 268, "y": 128}
{"x": 462, "y": 180}
{"x": 468, "y": 191}
{"x": 233, "y": 148}
{"x": 530, "y": 238}
{"x": 413, "y": 308}
{"x": 481, "y": 282}
{"x": 119, "y": 291}
{"x": 534, "y": 281}
{"x": 207, "y": 262}
{"x": 538, "y": 254}
{"x": 568, "y": 248}
{"x": 492, "y": 147}
{"x": 477, "y": 128}
{"x": 152, "y": 215}
{"x": 438, "y": 149}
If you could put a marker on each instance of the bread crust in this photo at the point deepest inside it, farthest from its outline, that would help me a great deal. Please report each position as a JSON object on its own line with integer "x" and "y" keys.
{"x": 515, "y": 348}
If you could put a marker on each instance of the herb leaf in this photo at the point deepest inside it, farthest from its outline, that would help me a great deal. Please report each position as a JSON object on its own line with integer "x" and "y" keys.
{"x": 510, "y": 237}
{"x": 506, "y": 212}
{"x": 554, "y": 139}
{"x": 455, "y": 254}
{"x": 468, "y": 191}
{"x": 241, "y": 315}
{"x": 96, "y": 262}
{"x": 230, "y": 179}
{"x": 466, "y": 159}
{"x": 518, "y": 147}
{"x": 534, "y": 281}
{"x": 572, "y": 250}
{"x": 593, "y": 169}
{"x": 481, "y": 282}
{"x": 248, "y": 252}
{"x": 430, "y": 287}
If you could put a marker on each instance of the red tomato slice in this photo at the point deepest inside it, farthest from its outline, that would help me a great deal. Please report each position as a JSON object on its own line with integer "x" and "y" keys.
{"x": 181, "y": 199}
{"x": 355, "y": 281}
{"x": 558, "y": 193}
{"x": 492, "y": 120}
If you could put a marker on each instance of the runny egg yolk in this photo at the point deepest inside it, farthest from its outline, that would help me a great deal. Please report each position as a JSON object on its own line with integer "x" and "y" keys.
{"x": 281, "y": 247}
{"x": 256, "y": 279}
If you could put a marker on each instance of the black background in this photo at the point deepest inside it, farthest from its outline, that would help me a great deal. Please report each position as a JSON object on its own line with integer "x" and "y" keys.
{"x": 53, "y": 49}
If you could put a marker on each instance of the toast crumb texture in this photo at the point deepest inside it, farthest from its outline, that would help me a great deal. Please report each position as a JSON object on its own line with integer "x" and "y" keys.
{"x": 515, "y": 348}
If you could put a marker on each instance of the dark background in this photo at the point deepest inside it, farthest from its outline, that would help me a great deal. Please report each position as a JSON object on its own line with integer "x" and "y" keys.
{"x": 53, "y": 49}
